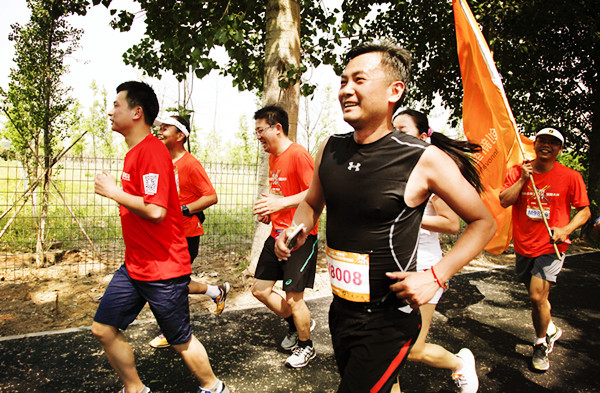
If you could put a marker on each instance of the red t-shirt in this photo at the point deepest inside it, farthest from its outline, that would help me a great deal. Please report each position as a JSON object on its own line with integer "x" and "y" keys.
{"x": 289, "y": 174}
{"x": 192, "y": 184}
{"x": 153, "y": 251}
{"x": 559, "y": 189}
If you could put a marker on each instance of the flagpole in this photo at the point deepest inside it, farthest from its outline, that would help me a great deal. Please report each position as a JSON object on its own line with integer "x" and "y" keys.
{"x": 497, "y": 81}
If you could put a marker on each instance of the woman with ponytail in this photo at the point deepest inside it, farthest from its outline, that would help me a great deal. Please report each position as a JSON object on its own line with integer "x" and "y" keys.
{"x": 439, "y": 218}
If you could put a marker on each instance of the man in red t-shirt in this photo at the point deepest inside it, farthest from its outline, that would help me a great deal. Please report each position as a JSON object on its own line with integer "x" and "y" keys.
{"x": 290, "y": 172}
{"x": 537, "y": 264}
{"x": 196, "y": 193}
{"x": 157, "y": 265}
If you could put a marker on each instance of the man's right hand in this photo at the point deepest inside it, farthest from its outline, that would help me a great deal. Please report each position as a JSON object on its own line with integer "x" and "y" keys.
{"x": 266, "y": 219}
{"x": 526, "y": 170}
{"x": 281, "y": 249}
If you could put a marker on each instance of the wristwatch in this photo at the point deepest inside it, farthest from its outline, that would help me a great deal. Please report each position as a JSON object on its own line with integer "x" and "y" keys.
{"x": 185, "y": 210}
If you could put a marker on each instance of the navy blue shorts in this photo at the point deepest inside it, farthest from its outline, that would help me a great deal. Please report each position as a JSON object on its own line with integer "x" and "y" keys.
{"x": 125, "y": 297}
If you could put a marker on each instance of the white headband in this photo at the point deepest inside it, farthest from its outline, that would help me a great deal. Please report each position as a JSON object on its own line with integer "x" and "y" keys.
{"x": 173, "y": 122}
{"x": 400, "y": 109}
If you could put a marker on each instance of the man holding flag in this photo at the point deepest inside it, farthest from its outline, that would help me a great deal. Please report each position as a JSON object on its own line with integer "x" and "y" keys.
{"x": 538, "y": 241}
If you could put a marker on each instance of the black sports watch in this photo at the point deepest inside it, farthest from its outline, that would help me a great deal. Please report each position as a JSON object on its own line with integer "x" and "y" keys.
{"x": 185, "y": 210}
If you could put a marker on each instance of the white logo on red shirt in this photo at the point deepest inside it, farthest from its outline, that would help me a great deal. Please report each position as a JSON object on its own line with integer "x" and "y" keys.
{"x": 125, "y": 176}
{"x": 150, "y": 183}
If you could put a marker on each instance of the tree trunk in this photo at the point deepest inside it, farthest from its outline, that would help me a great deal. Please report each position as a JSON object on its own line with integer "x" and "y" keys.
{"x": 282, "y": 51}
{"x": 593, "y": 155}
{"x": 47, "y": 147}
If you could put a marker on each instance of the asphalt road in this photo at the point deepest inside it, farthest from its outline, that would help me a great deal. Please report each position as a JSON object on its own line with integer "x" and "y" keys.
{"x": 485, "y": 311}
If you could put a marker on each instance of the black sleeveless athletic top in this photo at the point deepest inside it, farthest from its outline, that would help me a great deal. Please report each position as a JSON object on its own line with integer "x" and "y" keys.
{"x": 364, "y": 193}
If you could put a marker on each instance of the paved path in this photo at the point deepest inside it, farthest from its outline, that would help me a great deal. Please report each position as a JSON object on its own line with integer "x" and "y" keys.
{"x": 485, "y": 311}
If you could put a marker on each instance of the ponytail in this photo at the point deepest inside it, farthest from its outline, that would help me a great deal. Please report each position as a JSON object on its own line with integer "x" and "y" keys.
{"x": 460, "y": 152}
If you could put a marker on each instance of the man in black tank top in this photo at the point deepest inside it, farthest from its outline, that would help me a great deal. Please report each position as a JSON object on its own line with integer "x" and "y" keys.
{"x": 375, "y": 182}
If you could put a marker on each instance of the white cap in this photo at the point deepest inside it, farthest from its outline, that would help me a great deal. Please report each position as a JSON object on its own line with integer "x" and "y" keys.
{"x": 172, "y": 122}
{"x": 552, "y": 132}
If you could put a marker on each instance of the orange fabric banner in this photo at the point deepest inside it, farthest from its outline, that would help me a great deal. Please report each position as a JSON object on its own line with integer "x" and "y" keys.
{"x": 487, "y": 120}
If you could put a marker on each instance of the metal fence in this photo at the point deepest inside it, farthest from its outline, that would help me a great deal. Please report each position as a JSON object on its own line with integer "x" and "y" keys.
{"x": 83, "y": 232}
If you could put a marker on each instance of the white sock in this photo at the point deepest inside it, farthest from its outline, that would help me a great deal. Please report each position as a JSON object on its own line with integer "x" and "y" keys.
{"x": 212, "y": 291}
{"x": 462, "y": 364}
{"x": 551, "y": 328}
{"x": 218, "y": 387}
{"x": 539, "y": 340}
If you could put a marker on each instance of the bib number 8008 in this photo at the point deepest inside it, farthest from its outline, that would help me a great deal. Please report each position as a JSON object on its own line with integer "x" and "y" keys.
{"x": 346, "y": 276}
{"x": 349, "y": 273}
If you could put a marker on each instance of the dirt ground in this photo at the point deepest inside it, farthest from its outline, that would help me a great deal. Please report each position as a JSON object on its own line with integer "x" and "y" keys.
{"x": 43, "y": 304}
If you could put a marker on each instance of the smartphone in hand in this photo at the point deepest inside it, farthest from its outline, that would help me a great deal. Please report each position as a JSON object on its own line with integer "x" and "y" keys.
{"x": 293, "y": 238}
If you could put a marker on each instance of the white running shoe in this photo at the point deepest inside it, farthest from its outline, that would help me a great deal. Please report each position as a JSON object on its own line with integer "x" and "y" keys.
{"x": 300, "y": 357}
{"x": 466, "y": 378}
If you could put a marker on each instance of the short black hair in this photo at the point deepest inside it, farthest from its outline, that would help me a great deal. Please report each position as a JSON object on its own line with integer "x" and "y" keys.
{"x": 141, "y": 94}
{"x": 274, "y": 114}
{"x": 395, "y": 60}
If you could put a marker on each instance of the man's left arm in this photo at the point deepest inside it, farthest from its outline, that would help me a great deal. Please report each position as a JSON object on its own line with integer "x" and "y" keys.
{"x": 204, "y": 202}
{"x": 195, "y": 176}
{"x": 583, "y": 214}
{"x": 436, "y": 172}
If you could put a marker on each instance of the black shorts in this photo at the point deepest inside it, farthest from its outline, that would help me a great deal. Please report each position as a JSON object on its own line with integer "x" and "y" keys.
{"x": 193, "y": 244}
{"x": 297, "y": 273}
{"x": 371, "y": 344}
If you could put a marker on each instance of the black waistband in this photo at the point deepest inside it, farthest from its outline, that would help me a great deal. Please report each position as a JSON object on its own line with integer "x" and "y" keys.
{"x": 390, "y": 300}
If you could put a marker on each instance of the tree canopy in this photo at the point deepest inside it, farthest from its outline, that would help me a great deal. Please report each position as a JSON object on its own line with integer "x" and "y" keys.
{"x": 36, "y": 102}
{"x": 547, "y": 51}
{"x": 180, "y": 36}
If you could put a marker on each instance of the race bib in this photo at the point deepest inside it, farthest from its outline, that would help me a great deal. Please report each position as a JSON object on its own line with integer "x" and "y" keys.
{"x": 349, "y": 274}
{"x": 536, "y": 215}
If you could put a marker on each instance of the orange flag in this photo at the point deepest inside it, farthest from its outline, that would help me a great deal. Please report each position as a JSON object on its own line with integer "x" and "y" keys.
{"x": 488, "y": 120}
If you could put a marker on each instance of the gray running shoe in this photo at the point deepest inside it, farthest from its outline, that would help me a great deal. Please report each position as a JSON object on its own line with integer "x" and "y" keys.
{"x": 540, "y": 361}
{"x": 466, "y": 378}
{"x": 550, "y": 339}
{"x": 300, "y": 357}
{"x": 291, "y": 338}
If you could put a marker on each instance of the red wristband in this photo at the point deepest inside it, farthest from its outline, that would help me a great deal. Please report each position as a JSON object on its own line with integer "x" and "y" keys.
{"x": 445, "y": 286}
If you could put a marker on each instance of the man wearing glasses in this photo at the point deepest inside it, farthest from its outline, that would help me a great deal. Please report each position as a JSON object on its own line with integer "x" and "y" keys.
{"x": 290, "y": 173}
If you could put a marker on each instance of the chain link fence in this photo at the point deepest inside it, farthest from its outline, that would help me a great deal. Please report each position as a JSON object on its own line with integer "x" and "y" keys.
{"x": 82, "y": 233}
